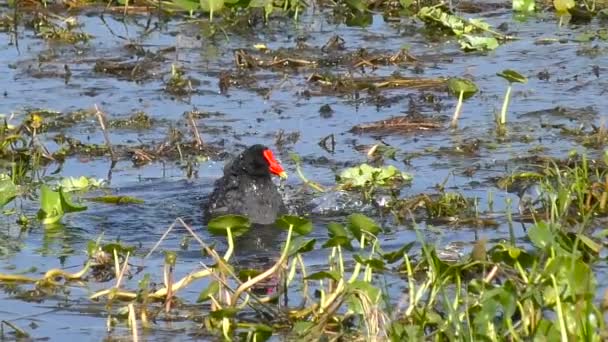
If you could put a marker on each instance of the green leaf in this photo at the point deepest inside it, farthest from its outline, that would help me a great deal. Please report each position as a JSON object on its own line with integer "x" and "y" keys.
{"x": 365, "y": 175}
{"x": 512, "y": 76}
{"x": 334, "y": 275}
{"x": 211, "y": 6}
{"x": 365, "y": 288}
{"x": 357, "y": 5}
{"x": 211, "y": 290}
{"x": 594, "y": 246}
{"x": 68, "y": 205}
{"x": 397, "y": 255}
{"x": 51, "y": 209}
{"x": 301, "y": 328}
{"x": 359, "y": 19}
{"x": 375, "y": 264}
{"x": 562, "y": 6}
{"x": 8, "y": 190}
{"x": 120, "y": 249}
{"x": 246, "y": 274}
{"x": 300, "y": 245}
{"x": 477, "y": 43}
{"x": 336, "y": 229}
{"x": 541, "y": 235}
{"x": 300, "y": 225}
{"x": 224, "y": 313}
{"x": 238, "y": 225}
{"x": 70, "y": 184}
{"x": 342, "y": 241}
{"x": 523, "y": 5}
{"x": 358, "y": 223}
{"x": 406, "y": 3}
{"x": 186, "y": 5}
{"x": 259, "y": 333}
{"x": 462, "y": 85}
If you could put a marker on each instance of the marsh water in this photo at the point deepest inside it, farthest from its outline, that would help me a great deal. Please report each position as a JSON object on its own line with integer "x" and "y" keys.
{"x": 562, "y": 71}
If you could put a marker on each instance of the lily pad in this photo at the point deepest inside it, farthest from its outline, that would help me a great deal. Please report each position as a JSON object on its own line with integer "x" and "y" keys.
{"x": 54, "y": 203}
{"x": 237, "y": 224}
{"x": 211, "y": 290}
{"x": 300, "y": 225}
{"x": 462, "y": 85}
{"x": 358, "y": 223}
{"x": 334, "y": 275}
{"x": 375, "y": 264}
{"x": 300, "y": 245}
{"x": 512, "y": 76}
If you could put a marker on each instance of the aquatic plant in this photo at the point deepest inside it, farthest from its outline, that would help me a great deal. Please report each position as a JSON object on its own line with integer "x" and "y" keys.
{"x": 511, "y": 76}
{"x": 464, "y": 89}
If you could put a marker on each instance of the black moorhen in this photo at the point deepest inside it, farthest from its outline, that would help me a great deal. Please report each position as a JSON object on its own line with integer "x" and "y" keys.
{"x": 247, "y": 188}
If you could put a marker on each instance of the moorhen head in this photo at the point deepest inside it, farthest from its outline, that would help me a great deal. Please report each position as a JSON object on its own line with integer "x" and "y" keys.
{"x": 247, "y": 188}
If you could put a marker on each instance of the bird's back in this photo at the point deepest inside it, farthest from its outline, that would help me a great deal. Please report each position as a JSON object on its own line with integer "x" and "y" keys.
{"x": 241, "y": 194}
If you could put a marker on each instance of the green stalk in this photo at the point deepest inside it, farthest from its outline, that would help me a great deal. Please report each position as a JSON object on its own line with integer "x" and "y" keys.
{"x": 230, "y": 244}
{"x": 357, "y": 269}
{"x": 457, "y": 110}
{"x": 560, "y": 314}
{"x": 505, "y": 105}
{"x": 308, "y": 182}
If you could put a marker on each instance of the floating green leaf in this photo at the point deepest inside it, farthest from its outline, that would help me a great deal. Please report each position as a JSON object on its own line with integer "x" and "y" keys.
{"x": 375, "y": 264}
{"x": 237, "y": 224}
{"x": 53, "y": 204}
{"x": 300, "y": 245}
{"x": 477, "y": 43}
{"x": 258, "y": 333}
{"x": 224, "y": 313}
{"x": 358, "y": 223}
{"x": 300, "y": 225}
{"x": 334, "y": 275}
{"x": 8, "y": 190}
{"x": 541, "y": 235}
{"x": 211, "y": 290}
{"x": 211, "y": 6}
{"x": 186, "y": 5}
{"x": 512, "y": 76}
{"x": 397, "y": 255}
{"x": 524, "y": 5}
{"x": 462, "y": 85}
{"x": 562, "y": 6}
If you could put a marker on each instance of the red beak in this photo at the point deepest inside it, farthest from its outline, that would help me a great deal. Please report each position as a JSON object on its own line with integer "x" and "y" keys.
{"x": 273, "y": 164}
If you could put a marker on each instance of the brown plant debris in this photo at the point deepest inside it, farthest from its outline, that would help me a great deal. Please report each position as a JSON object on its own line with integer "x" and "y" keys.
{"x": 399, "y": 124}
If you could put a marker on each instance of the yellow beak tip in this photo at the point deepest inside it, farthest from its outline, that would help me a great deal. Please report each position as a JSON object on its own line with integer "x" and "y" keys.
{"x": 283, "y": 175}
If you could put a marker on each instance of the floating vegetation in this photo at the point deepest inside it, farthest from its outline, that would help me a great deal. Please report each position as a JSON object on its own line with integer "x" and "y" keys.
{"x": 366, "y": 176}
{"x": 341, "y": 84}
{"x": 465, "y": 30}
{"x": 49, "y": 26}
{"x": 399, "y": 124}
